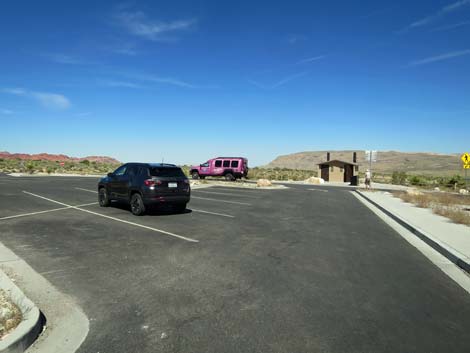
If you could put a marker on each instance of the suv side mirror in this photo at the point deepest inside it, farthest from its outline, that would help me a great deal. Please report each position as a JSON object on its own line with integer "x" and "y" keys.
{"x": 110, "y": 175}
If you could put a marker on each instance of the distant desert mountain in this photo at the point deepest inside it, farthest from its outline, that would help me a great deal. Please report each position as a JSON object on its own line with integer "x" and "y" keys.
{"x": 56, "y": 157}
{"x": 387, "y": 161}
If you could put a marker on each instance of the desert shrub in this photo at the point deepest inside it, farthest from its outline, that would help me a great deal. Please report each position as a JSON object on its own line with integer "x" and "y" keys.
{"x": 399, "y": 178}
{"x": 415, "y": 180}
{"x": 456, "y": 215}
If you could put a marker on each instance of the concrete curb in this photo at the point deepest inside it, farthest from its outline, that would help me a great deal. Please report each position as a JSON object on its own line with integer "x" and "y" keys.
{"x": 31, "y": 325}
{"x": 67, "y": 325}
{"x": 451, "y": 254}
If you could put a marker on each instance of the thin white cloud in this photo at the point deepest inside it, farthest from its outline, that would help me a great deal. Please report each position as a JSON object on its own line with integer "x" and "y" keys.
{"x": 46, "y": 99}
{"x": 15, "y": 91}
{"x": 51, "y": 100}
{"x": 441, "y": 57}
{"x": 294, "y": 39}
{"x": 61, "y": 58}
{"x": 161, "y": 80}
{"x": 137, "y": 23}
{"x": 6, "y": 111}
{"x": 122, "y": 84}
{"x": 308, "y": 60}
{"x": 279, "y": 83}
{"x": 452, "y": 26}
{"x": 431, "y": 18}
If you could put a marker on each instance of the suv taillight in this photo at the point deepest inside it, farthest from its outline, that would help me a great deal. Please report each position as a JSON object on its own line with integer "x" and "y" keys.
{"x": 151, "y": 182}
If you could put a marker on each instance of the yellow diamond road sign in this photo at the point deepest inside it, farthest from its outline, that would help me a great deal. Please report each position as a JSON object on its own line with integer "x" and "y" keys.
{"x": 466, "y": 160}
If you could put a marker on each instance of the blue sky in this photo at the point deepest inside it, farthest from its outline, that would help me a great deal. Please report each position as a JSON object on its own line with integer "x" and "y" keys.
{"x": 190, "y": 80}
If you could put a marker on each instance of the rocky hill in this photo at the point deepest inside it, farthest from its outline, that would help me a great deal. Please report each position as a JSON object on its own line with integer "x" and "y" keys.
{"x": 387, "y": 161}
{"x": 56, "y": 157}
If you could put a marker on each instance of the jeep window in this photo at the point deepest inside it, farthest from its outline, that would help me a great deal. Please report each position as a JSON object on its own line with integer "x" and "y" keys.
{"x": 218, "y": 163}
{"x": 234, "y": 164}
{"x": 143, "y": 171}
{"x": 166, "y": 172}
{"x": 205, "y": 164}
{"x": 132, "y": 171}
{"x": 120, "y": 170}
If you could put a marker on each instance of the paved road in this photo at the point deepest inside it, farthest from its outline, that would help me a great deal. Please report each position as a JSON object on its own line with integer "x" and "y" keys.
{"x": 293, "y": 270}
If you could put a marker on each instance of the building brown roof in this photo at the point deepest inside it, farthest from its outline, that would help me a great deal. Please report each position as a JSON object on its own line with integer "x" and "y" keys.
{"x": 337, "y": 160}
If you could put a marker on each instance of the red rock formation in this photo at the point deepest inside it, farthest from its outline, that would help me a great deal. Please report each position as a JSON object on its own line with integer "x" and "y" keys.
{"x": 56, "y": 157}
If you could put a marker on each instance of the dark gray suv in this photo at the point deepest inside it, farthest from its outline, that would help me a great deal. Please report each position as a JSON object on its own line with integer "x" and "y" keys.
{"x": 145, "y": 184}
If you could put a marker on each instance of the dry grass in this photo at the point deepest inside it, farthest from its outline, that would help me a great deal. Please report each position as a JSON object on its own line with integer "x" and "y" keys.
{"x": 10, "y": 315}
{"x": 455, "y": 214}
{"x": 448, "y": 205}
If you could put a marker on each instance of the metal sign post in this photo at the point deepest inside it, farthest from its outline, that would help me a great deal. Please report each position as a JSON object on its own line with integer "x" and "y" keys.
{"x": 466, "y": 165}
{"x": 371, "y": 156}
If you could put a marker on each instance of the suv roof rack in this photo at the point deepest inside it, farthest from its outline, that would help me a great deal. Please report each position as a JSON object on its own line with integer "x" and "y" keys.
{"x": 162, "y": 165}
{"x": 231, "y": 157}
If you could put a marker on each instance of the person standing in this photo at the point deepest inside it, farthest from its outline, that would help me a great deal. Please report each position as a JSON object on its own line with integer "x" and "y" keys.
{"x": 368, "y": 179}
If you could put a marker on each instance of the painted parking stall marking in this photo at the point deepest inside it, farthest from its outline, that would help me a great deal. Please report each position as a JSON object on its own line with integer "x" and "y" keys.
{"x": 192, "y": 209}
{"x": 213, "y": 213}
{"x": 224, "y": 193}
{"x": 114, "y": 218}
{"x": 217, "y": 200}
{"x": 47, "y": 211}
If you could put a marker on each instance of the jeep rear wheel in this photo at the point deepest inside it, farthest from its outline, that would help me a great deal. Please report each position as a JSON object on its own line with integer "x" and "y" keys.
{"x": 195, "y": 175}
{"x": 229, "y": 177}
{"x": 180, "y": 207}
{"x": 137, "y": 205}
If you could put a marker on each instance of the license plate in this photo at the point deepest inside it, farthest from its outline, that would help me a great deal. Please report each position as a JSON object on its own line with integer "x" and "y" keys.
{"x": 172, "y": 185}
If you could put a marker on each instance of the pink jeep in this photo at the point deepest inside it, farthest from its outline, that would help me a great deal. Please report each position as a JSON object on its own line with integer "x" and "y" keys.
{"x": 229, "y": 167}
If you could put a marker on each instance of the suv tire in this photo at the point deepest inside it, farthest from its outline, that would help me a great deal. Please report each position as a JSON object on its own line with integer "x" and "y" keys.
{"x": 195, "y": 175}
{"x": 103, "y": 199}
{"x": 229, "y": 177}
{"x": 180, "y": 207}
{"x": 137, "y": 205}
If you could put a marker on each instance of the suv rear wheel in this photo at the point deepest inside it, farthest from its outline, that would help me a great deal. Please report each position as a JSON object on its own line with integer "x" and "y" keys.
{"x": 137, "y": 205}
{"x": 103, "y": 197}
{"x": 229, "y": 177}
{"x": 195, "y": 175}
{"x": 180, "y": 207}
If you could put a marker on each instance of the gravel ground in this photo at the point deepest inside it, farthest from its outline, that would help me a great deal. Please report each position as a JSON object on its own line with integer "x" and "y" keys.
{"x": 10, "y": 315}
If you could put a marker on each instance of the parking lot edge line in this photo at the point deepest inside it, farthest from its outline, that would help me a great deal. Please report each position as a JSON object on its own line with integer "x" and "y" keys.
{"x": 234, "y": 202}
{"x": 318, "y": 190}
{"x": 115, "y": 219}
{"x": 214, "y": 213}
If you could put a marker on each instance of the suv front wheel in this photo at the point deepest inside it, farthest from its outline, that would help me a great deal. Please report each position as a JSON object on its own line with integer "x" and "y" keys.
{"x": 137, "y": 205}
{"x": 103, "y": 197}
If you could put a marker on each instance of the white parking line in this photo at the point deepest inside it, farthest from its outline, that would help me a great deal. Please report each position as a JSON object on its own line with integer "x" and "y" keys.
{"x": 46, "y": 211}
{"x": 234, "y": 202}
{"x": 213, "y": 213}
{"x": 318, "y": 190}
{"x": 114, "y": 218}
{"x": 195, "y": 210}
{"x": 93, "y": 191}
{"x": 225, "y": 193}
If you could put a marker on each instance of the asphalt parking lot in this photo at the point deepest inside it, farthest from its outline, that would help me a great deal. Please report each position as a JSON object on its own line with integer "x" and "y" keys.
{"x": 291, "y": 270}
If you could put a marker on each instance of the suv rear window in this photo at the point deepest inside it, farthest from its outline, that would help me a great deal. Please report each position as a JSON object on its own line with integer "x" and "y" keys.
{"x": 226, "y": 164}
{"x": 234, "y": 164}
{"x": 166, "y": 172}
